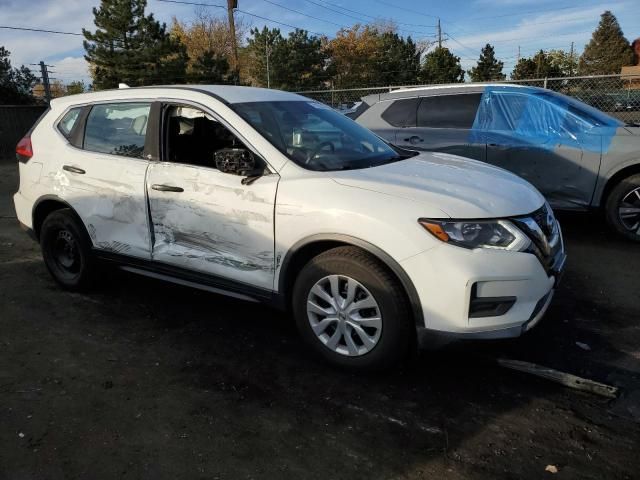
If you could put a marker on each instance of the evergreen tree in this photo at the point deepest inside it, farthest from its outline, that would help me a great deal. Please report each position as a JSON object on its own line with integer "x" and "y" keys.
{"x": 488, "y": 67}
{"x": 213, "y": 68}
{"x": 608, "y": 50}
{"x": 131, "y": 47}
{"x": 304, "y": 61}
{"x": 256, "y": 52}
{"x": 16, "y": 84}
{"x": 441, "y": 66}
{"x": 399, "y": 60}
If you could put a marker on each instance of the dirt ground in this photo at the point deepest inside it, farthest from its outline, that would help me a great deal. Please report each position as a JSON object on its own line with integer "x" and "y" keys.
{"x": 146, "y": 380}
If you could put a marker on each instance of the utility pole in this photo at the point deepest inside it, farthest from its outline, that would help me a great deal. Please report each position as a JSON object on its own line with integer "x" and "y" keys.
{"x": 267, "y": 50}
{"x": 571, "y": 61}
{"x": 231, "y": 5}
{"x": 439, "y": 34}
{"x": 44, "y": 75}
{"x": 518, "y": 57}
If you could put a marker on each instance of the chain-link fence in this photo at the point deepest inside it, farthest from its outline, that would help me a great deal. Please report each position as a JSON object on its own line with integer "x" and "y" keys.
{"x": 616, "y": 95}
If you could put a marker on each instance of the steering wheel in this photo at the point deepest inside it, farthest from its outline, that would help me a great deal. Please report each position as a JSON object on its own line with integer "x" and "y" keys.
{"x": 319, "y": 148}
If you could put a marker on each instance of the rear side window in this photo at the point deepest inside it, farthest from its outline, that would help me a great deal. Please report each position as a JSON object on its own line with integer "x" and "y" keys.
{"x": 68, "y": 121}
{"x": 402, "y": 113}
{"x": 448, "y": 111}
{"x": 117, "y": 129}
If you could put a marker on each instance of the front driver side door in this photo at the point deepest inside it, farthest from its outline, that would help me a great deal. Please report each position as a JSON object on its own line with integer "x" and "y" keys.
{"x": 203, "y": 219}
{"x": 543, "y": 143}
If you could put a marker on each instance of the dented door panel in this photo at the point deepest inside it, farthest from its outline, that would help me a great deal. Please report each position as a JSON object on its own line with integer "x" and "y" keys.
{"x": 110, "y": 199}
{"x": 215, "y": 225}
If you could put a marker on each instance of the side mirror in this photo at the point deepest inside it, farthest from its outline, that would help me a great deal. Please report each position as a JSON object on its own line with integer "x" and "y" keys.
{"x": 238, "y": 161}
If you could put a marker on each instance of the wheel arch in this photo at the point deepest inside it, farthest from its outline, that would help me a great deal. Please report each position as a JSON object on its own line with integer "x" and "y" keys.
{"x": 43, "y": 207}
{"x": 304, "y": 250}
{"x": 616, "y": 178}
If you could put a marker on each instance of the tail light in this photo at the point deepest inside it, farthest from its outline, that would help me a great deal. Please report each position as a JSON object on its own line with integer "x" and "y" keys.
{"x": 24, "y": 150}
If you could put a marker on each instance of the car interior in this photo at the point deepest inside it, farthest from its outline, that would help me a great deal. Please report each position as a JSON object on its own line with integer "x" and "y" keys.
{"x": 193, "y": 137}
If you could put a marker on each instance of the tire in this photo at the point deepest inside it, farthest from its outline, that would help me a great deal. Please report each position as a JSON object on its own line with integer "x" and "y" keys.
{"x": 66, "y": 250}
{"x": 625, "y": 194}
{"x": 375, "y": 344}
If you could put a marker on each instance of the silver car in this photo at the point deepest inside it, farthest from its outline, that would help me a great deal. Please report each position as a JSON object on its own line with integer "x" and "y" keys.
{"x": 578, "y": 157}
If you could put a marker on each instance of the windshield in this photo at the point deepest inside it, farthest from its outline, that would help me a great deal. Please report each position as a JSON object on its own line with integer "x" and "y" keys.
{"x": 317, "y": 137}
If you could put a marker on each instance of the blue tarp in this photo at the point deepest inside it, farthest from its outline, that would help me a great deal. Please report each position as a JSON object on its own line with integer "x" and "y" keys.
{"x": 537, "y": 118}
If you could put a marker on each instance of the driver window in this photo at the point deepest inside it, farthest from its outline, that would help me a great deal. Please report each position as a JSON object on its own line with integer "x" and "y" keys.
{"x": 193, "y": 137}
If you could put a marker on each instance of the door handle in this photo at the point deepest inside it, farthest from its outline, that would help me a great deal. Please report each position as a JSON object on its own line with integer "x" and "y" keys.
{"x": 413, "y": 139}
{"x": 166, "y": 188}
{"x": 71, "y": 169}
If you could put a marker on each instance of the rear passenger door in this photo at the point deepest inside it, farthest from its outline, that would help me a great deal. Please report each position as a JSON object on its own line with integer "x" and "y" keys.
{"x": 102, "y": 176}
{"x": 443, "y": 123}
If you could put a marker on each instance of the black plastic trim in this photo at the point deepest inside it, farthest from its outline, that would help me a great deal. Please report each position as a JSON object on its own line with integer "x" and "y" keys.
{"x": 407, "y": 284}
{"x": 263, "y": 295}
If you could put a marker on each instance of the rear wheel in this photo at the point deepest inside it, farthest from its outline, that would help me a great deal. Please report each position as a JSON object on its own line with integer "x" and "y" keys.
{"x": 66, "y": 250}
{"x": 351, "y": 311}
{"x": 623, "y": 208}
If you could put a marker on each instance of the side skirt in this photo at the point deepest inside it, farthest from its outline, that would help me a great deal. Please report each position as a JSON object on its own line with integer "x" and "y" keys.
{"x": 189, "y": 278}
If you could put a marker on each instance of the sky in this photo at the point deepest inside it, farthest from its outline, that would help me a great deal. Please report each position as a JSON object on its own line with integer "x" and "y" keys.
{"x": 466, "y": 25}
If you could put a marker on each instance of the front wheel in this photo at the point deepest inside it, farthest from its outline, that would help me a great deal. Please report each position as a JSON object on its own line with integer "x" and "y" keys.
{"x": 351, "y": 310}
{"x": 623, "y": 208}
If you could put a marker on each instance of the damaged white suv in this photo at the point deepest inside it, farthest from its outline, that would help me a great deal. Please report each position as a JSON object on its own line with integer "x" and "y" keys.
{"x": 268, "y": 196}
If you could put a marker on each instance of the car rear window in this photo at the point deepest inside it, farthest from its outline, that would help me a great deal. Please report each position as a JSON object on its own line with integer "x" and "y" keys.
{"x": 117, "y": 129}
{"x": 402, "y": 113}
{"x": 448, "y": 111}
{"x": 68, "y": 121}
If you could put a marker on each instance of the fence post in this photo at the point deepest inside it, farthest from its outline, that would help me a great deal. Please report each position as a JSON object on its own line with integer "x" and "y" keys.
{"x": 545, "y": 82}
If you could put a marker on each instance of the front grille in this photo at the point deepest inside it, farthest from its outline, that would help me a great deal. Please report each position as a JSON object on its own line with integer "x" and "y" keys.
{"x": 542, "y": 228}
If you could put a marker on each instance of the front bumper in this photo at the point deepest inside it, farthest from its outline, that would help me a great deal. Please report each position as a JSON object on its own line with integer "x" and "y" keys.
{"x": 447, "y": 278}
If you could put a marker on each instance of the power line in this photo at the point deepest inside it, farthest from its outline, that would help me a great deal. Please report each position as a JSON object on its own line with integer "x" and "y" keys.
{"x": 360, "y": 19}
{"x": 240, "y": 11}
{"x": 375, "y": 18}
{"x": 39, "y": 30}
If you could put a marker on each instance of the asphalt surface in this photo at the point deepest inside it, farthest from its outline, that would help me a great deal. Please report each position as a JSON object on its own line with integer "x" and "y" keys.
{"x": 144, "y": 380}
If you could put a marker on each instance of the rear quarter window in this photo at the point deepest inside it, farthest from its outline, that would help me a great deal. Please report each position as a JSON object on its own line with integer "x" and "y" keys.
{"x": 66, "y": 124}
{"x": 449, "y": 111}
{"x": 402, "y": 113}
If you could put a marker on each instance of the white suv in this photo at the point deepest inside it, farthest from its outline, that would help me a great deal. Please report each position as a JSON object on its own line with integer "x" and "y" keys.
{"x": 268, "y": 196}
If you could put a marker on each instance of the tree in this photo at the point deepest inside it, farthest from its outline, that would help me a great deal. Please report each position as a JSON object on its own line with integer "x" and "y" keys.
{"x": 16, "y": 84}
{"x": 488, "y": 67}
{"x": 565, "y": 62}
{"x": 538, "y": 66}
{"x": 131, "y": 47}
{"x": 76, "y": 87}
{"x": 354, "y": 56}
{"x": 303, "y": 61}
{"x": 399, "y": 60}
{"x": 207, "y": 35}
{"x": 213, "y": 68}
{"x": 373, "y": 55}
{"x": 441, "y": 66}
{"x": 259, "y": 44}
{"x": 608, "y": 50}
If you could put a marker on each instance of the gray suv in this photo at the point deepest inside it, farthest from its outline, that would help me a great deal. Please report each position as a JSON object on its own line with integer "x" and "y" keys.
{"x": 577, "y": 156}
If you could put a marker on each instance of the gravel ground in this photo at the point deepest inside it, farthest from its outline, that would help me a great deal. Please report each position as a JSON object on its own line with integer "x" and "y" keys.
{"x": 141, "y": 379}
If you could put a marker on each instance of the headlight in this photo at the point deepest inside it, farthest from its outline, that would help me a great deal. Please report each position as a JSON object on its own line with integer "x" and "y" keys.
{"x": 499, "y": 234}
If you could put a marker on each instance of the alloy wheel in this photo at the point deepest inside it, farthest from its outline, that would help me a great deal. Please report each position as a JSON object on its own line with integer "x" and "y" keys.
{"x": 629, "y": 211}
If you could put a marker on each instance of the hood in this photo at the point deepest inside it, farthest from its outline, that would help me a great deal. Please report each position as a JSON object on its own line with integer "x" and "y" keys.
{"x": 459, "y": 187}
